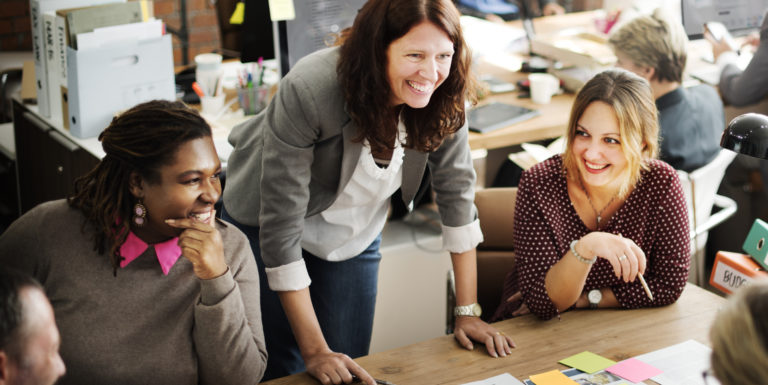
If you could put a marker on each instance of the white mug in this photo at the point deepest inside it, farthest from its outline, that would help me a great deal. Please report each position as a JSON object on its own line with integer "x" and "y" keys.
{"x": 543, "y": 86}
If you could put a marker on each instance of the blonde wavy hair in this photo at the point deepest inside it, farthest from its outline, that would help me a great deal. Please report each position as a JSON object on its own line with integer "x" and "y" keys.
{"x": 630, "y": 98}
{"x": 739, "y": 337}
{"x": 654, "y": 41}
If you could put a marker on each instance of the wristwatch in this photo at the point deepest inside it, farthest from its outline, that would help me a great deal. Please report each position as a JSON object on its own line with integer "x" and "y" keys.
{"x": 594, "y": 297}
{"x": 471, "y": 310}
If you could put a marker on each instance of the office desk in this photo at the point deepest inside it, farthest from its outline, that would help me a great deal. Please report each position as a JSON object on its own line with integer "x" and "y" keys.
{"x": 615, "y": 334}
{"x": 553, "y": 117}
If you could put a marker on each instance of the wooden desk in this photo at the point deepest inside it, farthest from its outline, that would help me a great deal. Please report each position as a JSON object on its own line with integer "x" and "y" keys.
{"x": 615, "y": 334}
{"x": 553, "y": 117}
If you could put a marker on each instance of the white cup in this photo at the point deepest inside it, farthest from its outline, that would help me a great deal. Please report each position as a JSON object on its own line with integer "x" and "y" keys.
{"x": 208, "y": 72}
{"x": 212, "y": 105}
{"x": 543, "y": 86}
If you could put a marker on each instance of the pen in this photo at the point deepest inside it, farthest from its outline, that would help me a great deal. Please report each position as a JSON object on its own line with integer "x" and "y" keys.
{"x": 645, "y": 285}
{"x": 380, "y": 382}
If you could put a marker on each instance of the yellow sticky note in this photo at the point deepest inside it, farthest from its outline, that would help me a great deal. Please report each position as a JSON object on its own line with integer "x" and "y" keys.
{"x": 238, "y": 15}
{"x": 587, "y": 362}
{"x": 553, "y": 377}
{"x": 281, "y": 10}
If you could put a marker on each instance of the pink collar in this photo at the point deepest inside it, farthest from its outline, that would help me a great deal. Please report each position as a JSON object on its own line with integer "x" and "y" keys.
{"x": 167, "y": 252}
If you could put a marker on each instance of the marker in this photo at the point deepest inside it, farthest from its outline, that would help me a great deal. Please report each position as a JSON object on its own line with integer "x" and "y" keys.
{"x": 198, "y": 90}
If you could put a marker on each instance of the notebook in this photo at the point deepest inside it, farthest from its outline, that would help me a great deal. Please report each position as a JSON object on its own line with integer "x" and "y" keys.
{"x": 493, "y": 116}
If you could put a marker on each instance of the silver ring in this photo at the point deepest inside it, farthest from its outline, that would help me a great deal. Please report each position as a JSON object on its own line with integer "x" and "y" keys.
{"x": 623, "y": 257}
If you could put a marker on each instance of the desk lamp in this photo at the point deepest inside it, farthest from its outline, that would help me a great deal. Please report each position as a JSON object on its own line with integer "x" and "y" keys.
{"x": 748, "y": 134}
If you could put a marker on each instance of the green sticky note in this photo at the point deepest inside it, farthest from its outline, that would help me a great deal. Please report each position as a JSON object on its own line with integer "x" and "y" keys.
{"x": 587, "y": 362}
{"x": 553, "y": 377}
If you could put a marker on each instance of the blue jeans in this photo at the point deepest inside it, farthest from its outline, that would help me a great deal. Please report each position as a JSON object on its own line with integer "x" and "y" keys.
{"x": 344, "y": 298}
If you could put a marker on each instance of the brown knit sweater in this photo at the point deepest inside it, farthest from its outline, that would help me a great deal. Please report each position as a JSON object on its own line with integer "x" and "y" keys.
{"x": 141, "y": 327}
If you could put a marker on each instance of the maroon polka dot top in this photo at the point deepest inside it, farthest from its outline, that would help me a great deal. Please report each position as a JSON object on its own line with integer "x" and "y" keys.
{"x": 654, "y": 216}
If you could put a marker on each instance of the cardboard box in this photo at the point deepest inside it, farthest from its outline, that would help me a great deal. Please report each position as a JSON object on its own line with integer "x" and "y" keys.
{"x": 732, "y": 270}
{"x": 107, "y": 80}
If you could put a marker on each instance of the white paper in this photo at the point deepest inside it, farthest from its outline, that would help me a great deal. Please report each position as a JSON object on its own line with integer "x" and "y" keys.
{"x": 476, "y": 32}
{"x": 501, "y": 379}
{"x": 109, "y": 35}
{"x": 682, "y": 363}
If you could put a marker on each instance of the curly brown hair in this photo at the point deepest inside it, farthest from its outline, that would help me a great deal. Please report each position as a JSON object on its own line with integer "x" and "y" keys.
{"x": 362, "y": 71}
{"x": 142, "y": 140}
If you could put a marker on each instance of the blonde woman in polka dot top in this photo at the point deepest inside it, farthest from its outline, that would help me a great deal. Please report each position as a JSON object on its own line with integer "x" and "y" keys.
{"x": 590, "y": 221}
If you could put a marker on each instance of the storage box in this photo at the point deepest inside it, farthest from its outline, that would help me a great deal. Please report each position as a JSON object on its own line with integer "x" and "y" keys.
{"x": 732, "y": 270}
{"x": 756, "y": 243}
{"x": 104, "y": 81}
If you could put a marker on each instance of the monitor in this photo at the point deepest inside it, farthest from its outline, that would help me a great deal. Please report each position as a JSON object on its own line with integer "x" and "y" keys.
{"x": 316, "y": 26}
{"x": 739, "y": 16}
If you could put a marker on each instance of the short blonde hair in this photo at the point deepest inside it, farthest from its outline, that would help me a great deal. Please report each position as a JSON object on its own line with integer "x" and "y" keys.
{"x": 739, "y": 337}
{"x": 654, "y": 41}
{"x": 630, "y": 98}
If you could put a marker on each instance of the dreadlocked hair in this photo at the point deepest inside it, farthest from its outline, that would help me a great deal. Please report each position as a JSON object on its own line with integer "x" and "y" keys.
{"x": 142, "y": 140}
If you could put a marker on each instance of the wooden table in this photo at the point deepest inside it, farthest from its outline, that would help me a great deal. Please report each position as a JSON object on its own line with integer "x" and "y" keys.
{"x": 553, "y": 117}
{"x": 615, "y": 334}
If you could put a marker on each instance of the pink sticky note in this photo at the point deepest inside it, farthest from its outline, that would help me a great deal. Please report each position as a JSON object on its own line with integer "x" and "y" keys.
{"x": 634, "y": 370}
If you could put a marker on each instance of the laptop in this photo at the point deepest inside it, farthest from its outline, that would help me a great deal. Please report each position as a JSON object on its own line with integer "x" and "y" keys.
{"x": 495, "y": 115}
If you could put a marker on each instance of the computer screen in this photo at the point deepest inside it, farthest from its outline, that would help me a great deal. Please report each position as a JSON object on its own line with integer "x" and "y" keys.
{"x": 739, "y": 16}
{"x": 315, "y": 27}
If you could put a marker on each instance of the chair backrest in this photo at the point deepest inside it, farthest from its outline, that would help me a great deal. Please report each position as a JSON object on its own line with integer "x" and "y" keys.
{"x": 495, "y": 256}
{"x": 496, "y": 211}
{"x": 700, "y": 187}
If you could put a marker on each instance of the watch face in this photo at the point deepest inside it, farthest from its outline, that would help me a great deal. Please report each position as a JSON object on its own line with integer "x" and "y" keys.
{"x": 594, "y": 296}
{"x": 477, "y": 310}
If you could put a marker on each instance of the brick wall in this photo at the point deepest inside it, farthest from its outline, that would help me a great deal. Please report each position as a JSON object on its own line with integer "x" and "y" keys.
{"x": 202, "y": 24}
{"x": 15, "y": 26}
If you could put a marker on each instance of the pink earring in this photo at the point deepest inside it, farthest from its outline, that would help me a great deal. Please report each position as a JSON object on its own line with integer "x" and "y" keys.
{"x": 139, "y": 214}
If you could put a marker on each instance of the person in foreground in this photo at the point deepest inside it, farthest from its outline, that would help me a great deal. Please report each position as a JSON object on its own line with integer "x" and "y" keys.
{"x": 691, "y": 119}
{"x": 310, "y": 178}
{"x": 29, "y": 339}
{"x": 589, "y": 222}
{"x": 147, "y": 285}
{"x": 739, "y": 337}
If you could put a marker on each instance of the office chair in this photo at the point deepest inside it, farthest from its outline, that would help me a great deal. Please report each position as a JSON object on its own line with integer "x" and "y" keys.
{"x": 700, "y": 190}
{"x": 495, "y": 255}
{"x": 10, "y": 83}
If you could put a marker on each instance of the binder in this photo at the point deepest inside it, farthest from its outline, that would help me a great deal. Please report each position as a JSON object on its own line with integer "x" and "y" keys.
{"x": 732, "y": 270}
{"x": 37, "y": 9}
{"x": 756, "y": 243}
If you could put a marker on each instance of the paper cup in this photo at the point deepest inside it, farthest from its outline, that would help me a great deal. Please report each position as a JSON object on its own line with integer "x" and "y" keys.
{"x": 208, "y": 72}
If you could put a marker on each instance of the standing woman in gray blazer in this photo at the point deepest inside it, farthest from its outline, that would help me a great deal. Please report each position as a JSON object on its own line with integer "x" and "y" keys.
{"x": 310, "y": 179}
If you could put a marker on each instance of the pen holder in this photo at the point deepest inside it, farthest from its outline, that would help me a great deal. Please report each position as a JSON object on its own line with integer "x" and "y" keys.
{"x": 253, "y": 100}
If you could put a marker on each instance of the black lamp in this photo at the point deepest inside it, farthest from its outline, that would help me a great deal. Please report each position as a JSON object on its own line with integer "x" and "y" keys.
{"x": 747, "y": 134}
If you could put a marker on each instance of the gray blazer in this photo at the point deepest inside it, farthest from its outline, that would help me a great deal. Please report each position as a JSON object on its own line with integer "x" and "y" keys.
{"x": 293, "y": 160}
{"x": 742, "y": 88}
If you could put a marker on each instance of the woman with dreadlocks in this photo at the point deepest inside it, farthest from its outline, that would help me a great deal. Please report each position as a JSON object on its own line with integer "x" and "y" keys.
{"x": 146, "y": 284}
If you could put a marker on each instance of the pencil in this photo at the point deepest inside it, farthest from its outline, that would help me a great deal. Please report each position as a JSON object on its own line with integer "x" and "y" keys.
{"x": 645, "y": 285}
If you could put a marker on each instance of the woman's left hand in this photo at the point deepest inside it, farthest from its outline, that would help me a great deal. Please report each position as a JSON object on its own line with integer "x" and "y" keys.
{"x": 201, "y": 244}
{"x": 473, "y": 328}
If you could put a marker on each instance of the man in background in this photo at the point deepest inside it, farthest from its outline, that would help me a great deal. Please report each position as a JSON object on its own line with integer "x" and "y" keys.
{"x": 29, "y": 339}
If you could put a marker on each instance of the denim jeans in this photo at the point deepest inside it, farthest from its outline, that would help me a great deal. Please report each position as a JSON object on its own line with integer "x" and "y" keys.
{"x": 343, "y": 295}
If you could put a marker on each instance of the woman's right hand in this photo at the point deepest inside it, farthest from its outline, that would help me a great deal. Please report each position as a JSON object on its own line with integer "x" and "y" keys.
{"x": 335, "y": 368}
{"x": 623, "y": 254}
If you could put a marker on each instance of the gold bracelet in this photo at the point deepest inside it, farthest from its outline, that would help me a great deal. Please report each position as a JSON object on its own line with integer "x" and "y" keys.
{"x": 579, "y": 257}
